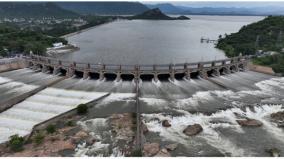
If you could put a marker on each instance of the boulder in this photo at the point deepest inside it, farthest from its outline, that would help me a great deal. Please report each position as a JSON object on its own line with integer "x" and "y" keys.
{"x": 249, "y": 122}
{"x": 191, "y": 130}
{"x": 166, "y": 123}
{"x": 163, "y": 153}
{"x": 151, "y": 149}
{"x": 279, "y": 116}
{"x": 171, "y": 147}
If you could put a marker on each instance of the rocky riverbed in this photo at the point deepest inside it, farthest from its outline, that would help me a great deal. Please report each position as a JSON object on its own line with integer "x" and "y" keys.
{"x": 74, "y": 138}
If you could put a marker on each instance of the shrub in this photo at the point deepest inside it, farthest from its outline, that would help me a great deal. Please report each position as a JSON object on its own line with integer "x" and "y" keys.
{"x": 70, "y": 123}
{"x": 38, "y": 138}
{"x": 82, "y": 109}
{"x": 50, "y": 129}
{"x": 136, "y": 153}
{"x": 16, "y": 142}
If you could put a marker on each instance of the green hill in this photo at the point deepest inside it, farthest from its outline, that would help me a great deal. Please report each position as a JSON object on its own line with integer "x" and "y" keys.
{"x": 266, "y": 35}
{"x": 267, "y": 32}
{"x": 157, "y": 14}
{"x": 104, "y": 8}
{"x": 33, "y": 10}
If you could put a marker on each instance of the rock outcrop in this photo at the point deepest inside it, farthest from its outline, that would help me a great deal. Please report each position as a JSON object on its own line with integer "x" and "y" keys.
{"x": 171, "y": 147}
{"x": 151, "y": 149}
{"x": 194, "y": 129}
{"x": 278, "y": 118}
{"x": 183, "y": 18}
{"x": 163, "y": 153}
{"x": 249, "y": 122}
{"x": 156, "y": 14}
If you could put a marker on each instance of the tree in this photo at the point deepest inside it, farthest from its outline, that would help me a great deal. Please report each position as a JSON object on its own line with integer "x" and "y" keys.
{"x": 16, "y": 143}
{"x": 82, "y": 109}
{"x": 50, "y": 129}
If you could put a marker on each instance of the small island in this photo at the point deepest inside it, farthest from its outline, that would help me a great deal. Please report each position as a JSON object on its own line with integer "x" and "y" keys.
{"x": 156, "y": 14}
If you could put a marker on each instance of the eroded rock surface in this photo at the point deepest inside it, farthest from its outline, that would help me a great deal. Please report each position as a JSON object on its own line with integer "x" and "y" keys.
{"x": 151, "y": 149}
{"x": 171, "y": 147}
{"x": 194, "y": 129}
{"x": 249, "y": 122}
{"x": 163, "y": 153}
{"x": 278, "y": 118}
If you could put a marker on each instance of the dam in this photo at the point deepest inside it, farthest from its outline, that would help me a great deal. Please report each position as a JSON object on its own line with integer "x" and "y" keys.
{"x": 205, "y": 92}
{"x": 143, "y": 72}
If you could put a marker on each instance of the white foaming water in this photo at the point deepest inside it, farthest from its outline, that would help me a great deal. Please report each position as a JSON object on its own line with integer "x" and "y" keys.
{"x": 113, "y": 97}
{"x": 17, "y": 87}
{"x": 176, "y": 82}
{"x": 98, "y": 149}
{"x": 153, "y": 101}
{"x": 263, "y": 114}
{"x": 157, "y": 83}
{"x": 226, "y": 94}
{"x": 4, "y": 80}
{"x": 98, "y": 128}
{"x": 116, "y": 83}
{"x": 271, "y": 85}
{"x": 198, "y": 97}
{"x": 223, "y": 119}
{"x": 48, "y": 103}
{"x": 95, "y": 126}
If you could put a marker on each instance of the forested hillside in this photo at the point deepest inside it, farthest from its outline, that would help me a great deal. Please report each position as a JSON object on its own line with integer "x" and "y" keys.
{"x": 104, "y": 8}
{"x": 266, "y": 35}
{"x": 263, "y": 35}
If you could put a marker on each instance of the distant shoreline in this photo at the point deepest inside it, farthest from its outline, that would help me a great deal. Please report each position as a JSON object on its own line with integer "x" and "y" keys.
{"x": 83, "y": 30}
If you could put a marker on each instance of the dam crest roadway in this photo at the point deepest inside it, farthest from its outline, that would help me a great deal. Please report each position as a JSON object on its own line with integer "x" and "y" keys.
{"x": 164, "y": 72}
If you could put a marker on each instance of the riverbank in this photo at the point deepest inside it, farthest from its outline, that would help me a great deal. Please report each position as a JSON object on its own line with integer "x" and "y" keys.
{"x": 86, "y": 29}
{"x": 69, "y": 48}
{"x": 261, "y": 69}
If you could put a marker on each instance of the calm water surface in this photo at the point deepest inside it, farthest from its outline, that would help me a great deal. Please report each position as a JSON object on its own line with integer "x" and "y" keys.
{"x": 160, "y": 42}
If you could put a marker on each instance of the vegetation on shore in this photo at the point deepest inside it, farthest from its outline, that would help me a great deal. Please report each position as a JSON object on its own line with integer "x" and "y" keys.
{"x": 16, "y": 143}
{"x": 276, "y": 62}
{"x": 14, "y": 40}
{"x": 265, "y": 35}
{"x": 63, "y": 29}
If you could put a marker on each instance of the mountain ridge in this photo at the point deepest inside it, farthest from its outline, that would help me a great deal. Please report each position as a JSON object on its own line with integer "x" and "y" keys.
{"x": 104, "y": 8}
{"x": 33, "y": 10}
{"x": 169, "y": 8}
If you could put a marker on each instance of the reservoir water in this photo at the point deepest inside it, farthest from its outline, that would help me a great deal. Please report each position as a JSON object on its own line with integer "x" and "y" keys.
{"x": 159, "y": 42}
{"x": 184, "y": 102}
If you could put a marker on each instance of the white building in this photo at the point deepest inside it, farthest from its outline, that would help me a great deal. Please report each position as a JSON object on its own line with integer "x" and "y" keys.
{"x": 57, "y": 45}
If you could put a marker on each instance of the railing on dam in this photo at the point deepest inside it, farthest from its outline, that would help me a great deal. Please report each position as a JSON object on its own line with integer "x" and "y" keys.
{"x": 186, "y": 70}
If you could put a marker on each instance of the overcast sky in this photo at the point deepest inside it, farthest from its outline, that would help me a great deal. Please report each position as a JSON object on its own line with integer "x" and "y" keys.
{"x": 223, "y": 4}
